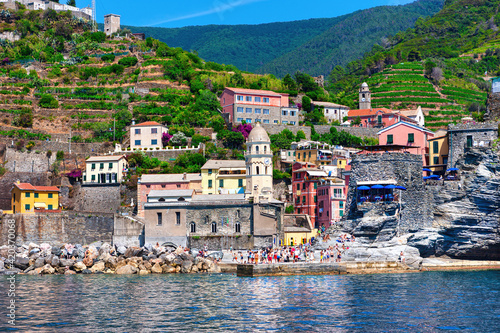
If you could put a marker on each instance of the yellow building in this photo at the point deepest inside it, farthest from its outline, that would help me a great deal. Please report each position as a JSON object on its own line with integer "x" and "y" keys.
{"x": 223, "y": 177}
{"x": 438, "y": 153}
{"x": 340, "y": 162}
{"x": 298, "y": 229}
{"x": 29, "y": 199}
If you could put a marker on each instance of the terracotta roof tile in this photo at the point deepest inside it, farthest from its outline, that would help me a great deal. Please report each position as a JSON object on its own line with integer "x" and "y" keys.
{"x": 367, "y": 112}
{"x": 253, "y": 91}
{"x": 147, "y": 123}
{"x": 29, "y": 187}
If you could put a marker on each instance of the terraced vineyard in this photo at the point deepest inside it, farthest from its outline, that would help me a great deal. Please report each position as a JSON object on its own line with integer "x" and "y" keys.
{"x": 404, "y": 86}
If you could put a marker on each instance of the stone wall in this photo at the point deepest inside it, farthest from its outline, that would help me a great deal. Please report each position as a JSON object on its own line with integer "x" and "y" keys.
{"x": 27, "y": 161}
{"x": 128, "y": 231}
{"x": 275, "y": 129}
{"x": 216, "y": 243}
{"x": 482, "y": 132}
{"x": 406, "y": 170}
{"x": 97, "y": 198}
{"x": 58, "y": 228}
{"x": 357, "y": 131}
{"x": 493, "y": 107}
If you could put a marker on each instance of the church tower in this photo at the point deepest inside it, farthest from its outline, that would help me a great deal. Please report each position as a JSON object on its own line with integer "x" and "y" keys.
{"x": 259, "y": 164}
{"x": 365, "y": 97}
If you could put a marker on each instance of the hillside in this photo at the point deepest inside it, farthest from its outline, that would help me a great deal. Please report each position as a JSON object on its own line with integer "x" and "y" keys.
{"x": 313, "y": 46}
{"x": 442, "y": 64}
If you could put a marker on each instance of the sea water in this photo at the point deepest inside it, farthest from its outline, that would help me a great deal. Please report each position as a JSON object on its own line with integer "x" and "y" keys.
{"x": 412, "y": 302}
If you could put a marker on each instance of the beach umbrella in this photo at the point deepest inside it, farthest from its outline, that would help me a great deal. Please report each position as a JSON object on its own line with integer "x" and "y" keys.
{"x": 427, "y": 177}
{"x": 377, "y": 186}
{"x": 399, "y": 187}
{"x": 363, "y": 188}
{"x": 429, "y": 170}
{"x": 434, "y": 177}
{"x": 452, "y": 169}
{"x": 390, "y": 187}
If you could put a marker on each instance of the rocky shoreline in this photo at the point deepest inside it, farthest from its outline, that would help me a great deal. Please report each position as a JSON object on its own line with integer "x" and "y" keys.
{"x": 34, "y": 259}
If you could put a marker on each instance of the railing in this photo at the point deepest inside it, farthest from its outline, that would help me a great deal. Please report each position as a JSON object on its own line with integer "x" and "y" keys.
{"x": 168, "y": 148}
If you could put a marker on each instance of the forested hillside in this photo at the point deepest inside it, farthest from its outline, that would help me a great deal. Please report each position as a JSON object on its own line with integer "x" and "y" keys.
{"x": 443, "y": 64}
{"x": 313, "y": 46}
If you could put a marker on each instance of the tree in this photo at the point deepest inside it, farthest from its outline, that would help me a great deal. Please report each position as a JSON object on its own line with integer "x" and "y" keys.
{"x": 306, "y": 104}
{"x": 356, "y": 121}
{"x": 48, "y": 101}
{"x": 300, "y": 135}
{"x": 233, "y": 140}
{"x": 437, "y": 74}
{"x": 179, "y": 139}
{"x": 336, "y": 74}
{"x": 70, "y": 3}
{"x": 289, "y": 82}
{"x": 165, "y": 138}
{"x": 49, "y": 155}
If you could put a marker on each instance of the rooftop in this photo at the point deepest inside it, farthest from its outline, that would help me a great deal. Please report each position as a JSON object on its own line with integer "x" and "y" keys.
{"x": 105, "y": 158}
{"x": 253, "y": 91}
{"x": 404, "y": 123}
{"x": 367, "y": 112}
{"x": 218, "y": 197}
{"x": 170, "y": 193}
{"x": 330, "y": 104}
{"x": 29, "y": 187}
{"x": 217, "y": 164}
{"x": 148, "y": 123}
{"x": 170, "y": 178}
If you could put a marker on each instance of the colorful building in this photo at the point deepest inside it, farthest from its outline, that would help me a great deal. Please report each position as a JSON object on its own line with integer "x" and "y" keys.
{"x": 223, "y": 177}
{"x": 318, "y": 153}
{"x": 159, "y": 182}
{"x": 305, "y": 179}
{"x": 105, "y": 169}
{"x": 251, "y": 106}
{"x": 29, "y": 199}
{"x": 377, "y": 118}
{"x": 410, "y": 135}
{"x": 331, "y": 195}
{"x": 438, "y": 154}
{"x": 147, "y": 135}
{"x": 298, "y": 229}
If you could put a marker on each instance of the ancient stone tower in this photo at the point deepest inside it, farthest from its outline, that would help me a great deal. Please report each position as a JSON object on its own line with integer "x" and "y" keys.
{"x": 111, "y": 23}
{"x": 365, "y": 97}
{"x": 259, "y": 164}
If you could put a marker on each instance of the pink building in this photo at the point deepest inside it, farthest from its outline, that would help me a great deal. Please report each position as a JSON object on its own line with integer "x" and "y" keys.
{"x": 148, "y": 183}
{"x": 414, "y": 137}
{"x": 378, "y": 117}
{"x": 331, "y": 194}
{"x": 262, "y": 106}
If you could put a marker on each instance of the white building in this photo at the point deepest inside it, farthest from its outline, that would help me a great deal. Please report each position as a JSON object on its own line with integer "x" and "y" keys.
{"x": 333, "y": 112}
{"x": 417, "y": 115}
{"x": 105, "y": 169}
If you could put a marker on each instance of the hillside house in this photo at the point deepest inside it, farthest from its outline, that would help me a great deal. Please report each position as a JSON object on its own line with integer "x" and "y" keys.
{"x": 147, "y": 135}
{"x": 104, "y": 170}
{"x": 305, "y": 180}
{"x": 376, "y": 118}
{"x": 262, "y": 106}
{"x": 417, "y": 115}
{"x": 29, "y": 199}
{"x": 223, "y": 177}
{"x": 332, "y": 112}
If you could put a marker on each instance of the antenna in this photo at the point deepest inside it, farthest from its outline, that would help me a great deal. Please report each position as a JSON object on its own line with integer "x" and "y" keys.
{"x": 94, "y": 17}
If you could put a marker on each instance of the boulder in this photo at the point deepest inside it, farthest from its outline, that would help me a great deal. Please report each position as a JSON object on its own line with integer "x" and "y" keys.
{"x": 33, "y": 246}
{"x": 55, "y": 262}
{"x": 179, "y": 250}
{"x": 34, "y": 251}
{"x": 92, "y": 252}
{"x": 69, "y": 272}
{"x": 40, "y": 262}
{"x": 88, "y": 261}
{"x": 66, "y": 262}
{"x": 186, "y": 266}
{"x": 177, "y": 269}
{"x": 111, "y": 262}
{"x": 186, "y": 256}
{"x": 60, "y": 270}
{"x": 56, "y": 251}
{"x": 127, "y": 269}
{"x": 48, "y": 259}
{"x": 169, "y": 269}
{"x": 156, "y": 269}
{"x": 143, "y": 272}
{"x": 148, "y": 265}
{"x": 47, "y": 269}
{"x": 79, "y": 266}
{"x": 176, "y": 262}
{"x": 132, "y": 251}
{"x": 4, "y": 251}
{"x": 194, "y": 269}
{"x": 86, "y": 271}
{"x": 148, "y": 247}
{"x": 104, "y": 249}
{"x": 121, "y": 250}
{"x": 98, "y": 267}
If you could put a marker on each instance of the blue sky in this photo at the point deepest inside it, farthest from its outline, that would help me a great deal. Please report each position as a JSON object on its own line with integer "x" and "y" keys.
{"x": 168, "y": 13}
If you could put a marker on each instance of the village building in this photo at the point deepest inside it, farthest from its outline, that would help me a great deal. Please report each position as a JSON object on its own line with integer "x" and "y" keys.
{"x": 414, "y": 137}
{"x": 223, "y": 177}
{"x": 438, "y": 154}
{"x": 298, "y": 229}
{"x": 332, "y": 112}
{"x": 29, "y": 199}
{"x": 417, "y": 115}
{"x": 158, "y": 182}
{"x": 105, "y": 169}
{"x": 85, "y": 13}
{"x": 147, "y": 135}
{"x": 258, "y": 106}
{"x": 331, "y": 193}
{"x": 365, "y": 96}
{"x": 318, "y": 153}
{"x": 376, "y": 118}
{"x": 111, "y": 24}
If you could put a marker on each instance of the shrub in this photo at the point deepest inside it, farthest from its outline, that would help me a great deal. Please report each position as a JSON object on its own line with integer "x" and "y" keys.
{"x": 128, "y": 61}
{"x": 98, "y": 37}
{"x": 49, "y": 102}
{"x": 59, "y": 155}
{"x": 108, "y": 57}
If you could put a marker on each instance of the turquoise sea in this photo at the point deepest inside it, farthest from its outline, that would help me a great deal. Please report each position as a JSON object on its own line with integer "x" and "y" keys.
{"x": 413, "y": 302}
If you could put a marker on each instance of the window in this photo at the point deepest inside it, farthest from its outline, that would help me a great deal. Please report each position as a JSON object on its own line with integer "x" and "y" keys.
{"x": 137, "y": 142}
{"x": 390, "y": 139}
{"x": 178, "y": 218}
{"x": 257, "y": 99}
{"x": 266, "y": 121}
{"x": 214, "y": 227}
{"x": 238, "y": 214}
{"x": 304, "y": 199}
{"x": 93, "y": 178}
{"x": 435, "y": 147}
{"x": 309, "y": 154}
{"x": 303, "y": 186}
{"x": 249, "y": 120}
{"x": 192, "y": 226}
{"x": 240, "y": 120}
{"x": 239, "y": 109}
{"x": 436, "y": 159}
{"x": 248, "y": 98}
{"x": 36, "y": 195}
{"x": 284, "y": 122}
{"x": 248, "y": 110}
{"x": 292, "y": 113}
{"x": 298, "y": 187}
{"x": 27, "y": 195}
{"x": 113, "y": 177}
{"x": 137, "y": 131}
{"x": 93, "y": 166}
{"x": 221, "y": 182}
{"x": 341, "y": 213}
{"x": 51, "y": 195}
{"x": 26, "y": 207}
{"x": 276, "y": 122}
{"x": 257, "y": 149}
{"x": 209, "y": 171}
{"x": 292, "y": 123}
{"x": 101, "y": 166}
{"x": 154, "y": 131}
{"x": 284, "y": 113}
{"x": 315, "y": 185}
{"x": 266, "y": 99}
{"x": 110, "y": 166}
{"x": 240, "y": 182}
{"x": 265, "y": 149}
{"x": 237, "y": 228}
{"x": 210, "y": 183}
{"x": 239, "y": 98}
{"x": 411, "y": 137}
{"x": 265, "y": 111}
{"x": 159, "y": 218}
{"x": 257, "y": 110}
{"x": 341, "y": 204}
{"x": 315, "y": 199}
{"x": 258, "y": 120}
{"x": 379, "y": 119}
{"x": 469, "y": 141}
{"x": 50, "y": 207}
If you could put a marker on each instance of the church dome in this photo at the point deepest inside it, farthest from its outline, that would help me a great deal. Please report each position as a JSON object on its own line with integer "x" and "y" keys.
{"x": 364, "y": 85}
{"x": 258, "y": 134}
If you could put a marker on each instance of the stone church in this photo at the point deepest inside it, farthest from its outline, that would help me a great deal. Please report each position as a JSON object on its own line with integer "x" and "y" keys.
{"x": 220, "y": 221}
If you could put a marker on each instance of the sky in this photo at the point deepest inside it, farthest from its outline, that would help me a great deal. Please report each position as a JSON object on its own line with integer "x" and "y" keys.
{"x": 173, "y": 14}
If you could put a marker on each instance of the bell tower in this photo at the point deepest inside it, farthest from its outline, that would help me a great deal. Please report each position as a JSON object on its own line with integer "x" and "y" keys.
{"x": 259, "y": 164}
{"x": 365, "y": 97}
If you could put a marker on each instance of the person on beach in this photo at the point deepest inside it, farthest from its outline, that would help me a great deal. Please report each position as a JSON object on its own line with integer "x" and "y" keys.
{"x": 402, "y": 257}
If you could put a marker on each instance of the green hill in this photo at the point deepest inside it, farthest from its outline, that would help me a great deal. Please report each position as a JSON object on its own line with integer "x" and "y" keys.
{"x": 442, "y": 64}
{"x": 313, "y": 46}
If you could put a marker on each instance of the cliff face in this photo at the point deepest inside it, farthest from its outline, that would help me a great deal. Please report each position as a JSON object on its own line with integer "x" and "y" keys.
{"x": 466, "y": 222}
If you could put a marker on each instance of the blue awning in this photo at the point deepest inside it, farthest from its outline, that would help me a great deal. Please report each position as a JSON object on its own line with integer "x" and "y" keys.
{"x": 378, "y": 186}
{"x": 427, "y": 177}
{"x": 390, "y": 187}
{"x": 363, "y": 188}
{"x": 452, "y": 169}
{"x": 425, "y": 169}
{"x": 399, "y": 187}
{"x": 434, "y": 177}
